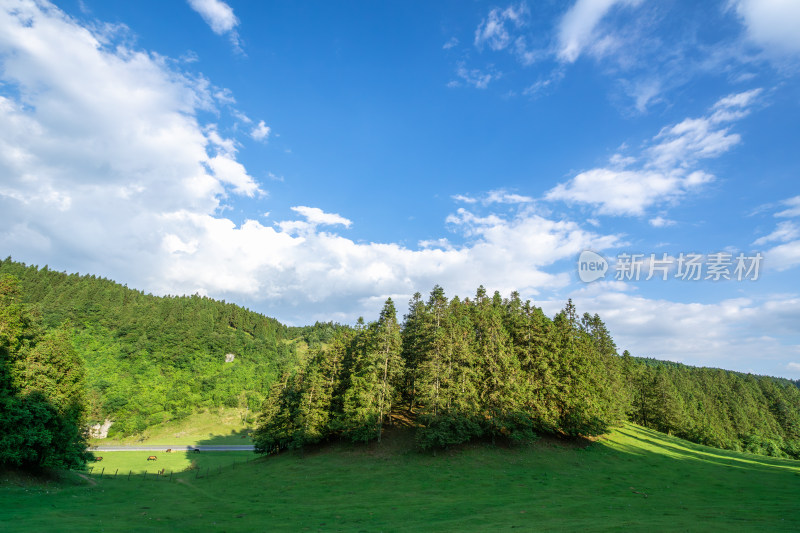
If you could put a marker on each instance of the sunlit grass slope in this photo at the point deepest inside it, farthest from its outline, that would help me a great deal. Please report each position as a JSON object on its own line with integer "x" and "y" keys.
{"x": 634, "y": 479}
{"x": 136, "y": 463}
{"x": 215, "y": 426}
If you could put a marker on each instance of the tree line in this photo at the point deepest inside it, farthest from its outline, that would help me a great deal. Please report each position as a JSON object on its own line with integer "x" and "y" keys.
{"x": 497, "y": 367}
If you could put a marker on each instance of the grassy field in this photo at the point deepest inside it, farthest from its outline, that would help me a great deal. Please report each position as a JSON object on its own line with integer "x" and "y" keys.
{"x": 633, "y": 479}
{"x": 136, "y": 463}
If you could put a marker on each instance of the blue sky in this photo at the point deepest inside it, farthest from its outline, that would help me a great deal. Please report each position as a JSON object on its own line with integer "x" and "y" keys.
{"x": 310, "y": 159}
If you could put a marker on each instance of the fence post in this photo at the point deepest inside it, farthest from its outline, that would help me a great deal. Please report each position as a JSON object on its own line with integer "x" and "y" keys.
{"x": 129, "y": 474}
{"x": 101, "y": 472}
{"x": 115, "y": 472}
{"x": 170, "y": 475}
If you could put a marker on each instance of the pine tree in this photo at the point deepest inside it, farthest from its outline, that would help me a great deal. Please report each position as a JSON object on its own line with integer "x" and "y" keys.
{"x": 388, "y": 345}
{"x": 432, "y": 367}
{"x": 412, "y": 350}
{"x": 501, "y": 380}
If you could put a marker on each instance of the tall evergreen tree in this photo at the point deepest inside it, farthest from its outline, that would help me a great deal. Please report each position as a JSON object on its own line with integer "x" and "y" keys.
{"x": 388, "y": 341}
{"x": 412, "y": 351}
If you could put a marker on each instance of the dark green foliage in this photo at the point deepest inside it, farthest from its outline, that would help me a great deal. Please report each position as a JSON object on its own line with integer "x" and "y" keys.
{"x": 374, "y": 369}
{"x": 462, "y": 369}
{"x": 446, "y": 429}
{"x": 317, "y": 335}
{"x": 150, "y": 359}
{"x": 348, "y": 389}
{"x": 42, "y": 405}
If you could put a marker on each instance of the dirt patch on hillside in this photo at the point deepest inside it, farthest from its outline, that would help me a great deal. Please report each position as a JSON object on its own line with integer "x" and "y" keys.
{"x": 88, "y": 479}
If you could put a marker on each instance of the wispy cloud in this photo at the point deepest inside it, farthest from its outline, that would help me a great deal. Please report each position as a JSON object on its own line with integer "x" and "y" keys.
{"x": 504, "y": 30}
{"x": 220, "y": 17}
{"x": 785, "y": 231}
{"x": 451, "y": 43}
{"x": 474, "y": 77}
{"x": 314, "y": 216}
{"x": 794, "y": 208}
{"x": 544, "y": 84}
{"x": 577, "y": 29}
{"x": 625, "y": 40}
{"x": 661, "y": 222}
{"x": 464, "y": 198}
{"x": 786, "y": 254}
{"x": 666, "y": 169}
{"x": 493, "y": 30}
{"x": 497, "y": 196}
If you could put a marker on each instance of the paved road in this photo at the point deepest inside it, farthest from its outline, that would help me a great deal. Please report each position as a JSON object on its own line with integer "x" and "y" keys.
{"x": 176, "y": 448}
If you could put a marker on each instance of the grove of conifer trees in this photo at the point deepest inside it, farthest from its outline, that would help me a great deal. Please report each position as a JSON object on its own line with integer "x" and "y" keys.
{"x": 488, "y": 366}
{"x": 499, "y": 368}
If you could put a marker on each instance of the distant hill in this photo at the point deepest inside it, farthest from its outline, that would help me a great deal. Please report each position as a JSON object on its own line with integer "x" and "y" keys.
{"x": 148, "y": 358}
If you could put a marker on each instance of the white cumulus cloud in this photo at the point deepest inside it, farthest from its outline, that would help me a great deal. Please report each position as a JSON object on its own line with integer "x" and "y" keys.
{"x": 260, "y": 132}
{"x": 736, "y": 333}
{"x": 112, "y": 172}
{"x": 772, "y": 24}
{"x": 90, "y": 163}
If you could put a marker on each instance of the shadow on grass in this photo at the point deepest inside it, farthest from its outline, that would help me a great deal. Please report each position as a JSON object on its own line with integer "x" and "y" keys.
{"x": 204, "y": 462}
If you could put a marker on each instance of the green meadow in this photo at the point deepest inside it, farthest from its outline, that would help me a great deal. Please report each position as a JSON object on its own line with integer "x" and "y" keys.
{"x": 123, "y": 464}
{"x": 631, "y": 479}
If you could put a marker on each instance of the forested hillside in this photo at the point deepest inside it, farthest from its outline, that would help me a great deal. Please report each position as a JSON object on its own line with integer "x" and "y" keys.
{"x": 149, "y": 359}
{"x": 720, "y": 408}
{"x": 499, "y": 368}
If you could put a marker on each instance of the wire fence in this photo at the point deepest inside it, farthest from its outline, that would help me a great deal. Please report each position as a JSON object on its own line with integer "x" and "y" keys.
{"x": 195, "y": 472}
